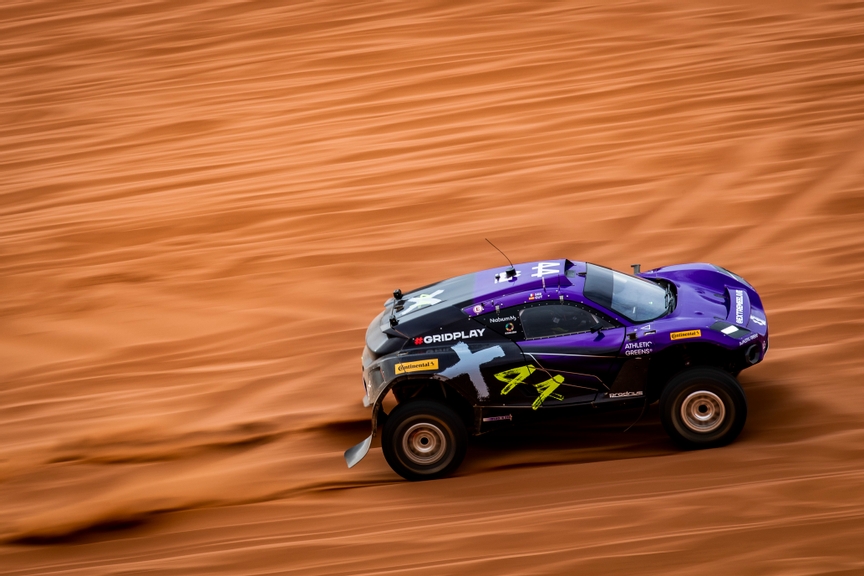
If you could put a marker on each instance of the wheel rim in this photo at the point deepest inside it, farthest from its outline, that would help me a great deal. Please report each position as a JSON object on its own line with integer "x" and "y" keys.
{"x": 703, "y": 411}
{"x": 424, "y": 443}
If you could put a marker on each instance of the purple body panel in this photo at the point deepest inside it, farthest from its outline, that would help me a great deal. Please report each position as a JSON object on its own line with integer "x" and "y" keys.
{"x": 705, "y": 294}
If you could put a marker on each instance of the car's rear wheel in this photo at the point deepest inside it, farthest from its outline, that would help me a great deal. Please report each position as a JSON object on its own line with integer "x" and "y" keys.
{"x": 423, "y": 440}
{"x": 703, "y": 408}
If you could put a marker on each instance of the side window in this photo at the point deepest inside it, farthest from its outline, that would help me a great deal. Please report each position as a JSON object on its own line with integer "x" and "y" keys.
{"x": 558, "y": 320}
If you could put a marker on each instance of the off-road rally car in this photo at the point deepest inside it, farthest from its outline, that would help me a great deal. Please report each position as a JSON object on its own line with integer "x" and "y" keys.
{"x": 477, "y": 352}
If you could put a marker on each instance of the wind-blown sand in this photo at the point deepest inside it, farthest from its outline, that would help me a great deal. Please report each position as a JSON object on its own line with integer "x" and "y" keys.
{"x": 203, "y": 204}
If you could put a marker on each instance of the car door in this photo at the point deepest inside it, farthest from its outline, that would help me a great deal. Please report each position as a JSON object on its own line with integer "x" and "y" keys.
{"x": 573, "y": 345}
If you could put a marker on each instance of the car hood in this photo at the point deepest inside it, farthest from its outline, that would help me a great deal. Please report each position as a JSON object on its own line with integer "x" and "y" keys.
{"x": 709, "y": 292}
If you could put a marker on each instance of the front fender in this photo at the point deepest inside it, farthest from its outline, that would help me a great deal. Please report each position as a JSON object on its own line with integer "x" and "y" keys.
{"x": 379, "y": 379}
{"x": 458, "y": 365}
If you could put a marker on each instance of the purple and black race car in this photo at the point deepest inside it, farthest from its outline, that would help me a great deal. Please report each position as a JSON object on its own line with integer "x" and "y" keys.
{"x": 480, "y": 351}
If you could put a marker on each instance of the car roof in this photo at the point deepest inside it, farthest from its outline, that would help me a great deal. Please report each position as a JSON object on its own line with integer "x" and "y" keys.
{"x": 540, "y": 280}
{"x": 485, "y": 287}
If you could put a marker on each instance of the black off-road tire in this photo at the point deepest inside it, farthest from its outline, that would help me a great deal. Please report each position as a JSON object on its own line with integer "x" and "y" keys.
{"x": 423, "y": 440}
{"x": 703, "y": 408}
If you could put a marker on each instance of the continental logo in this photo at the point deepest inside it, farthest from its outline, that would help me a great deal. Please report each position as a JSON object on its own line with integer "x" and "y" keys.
{"x": 685, "y": 334}
{"x": 417, "y": 366}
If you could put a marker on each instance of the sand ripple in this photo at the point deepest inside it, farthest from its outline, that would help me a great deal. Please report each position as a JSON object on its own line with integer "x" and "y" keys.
{"x": 202, "y": 205}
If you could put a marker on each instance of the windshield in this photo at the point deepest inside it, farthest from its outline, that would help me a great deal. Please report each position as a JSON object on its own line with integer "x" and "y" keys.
{"x": 636, "y": 299}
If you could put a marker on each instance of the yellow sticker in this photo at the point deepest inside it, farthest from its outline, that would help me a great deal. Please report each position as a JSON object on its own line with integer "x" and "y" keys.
{"x": 417, "y": 366}
{"x": 685, "y": 334}
{"x": 516, "y": 376}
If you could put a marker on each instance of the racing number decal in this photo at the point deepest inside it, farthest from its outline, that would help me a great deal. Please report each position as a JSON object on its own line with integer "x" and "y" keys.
{"x": 513, "y": 377}
{"x": 516, "y": 376}
{"x": 547, "y": 389}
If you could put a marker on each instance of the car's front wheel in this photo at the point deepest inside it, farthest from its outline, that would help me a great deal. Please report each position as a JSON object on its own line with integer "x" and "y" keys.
{"x": 423, "y": 440}
{"x": 703, "y": 408}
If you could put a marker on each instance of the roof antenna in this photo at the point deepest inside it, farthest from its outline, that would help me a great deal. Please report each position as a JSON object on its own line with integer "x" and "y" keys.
{"x": 511, "y": 272}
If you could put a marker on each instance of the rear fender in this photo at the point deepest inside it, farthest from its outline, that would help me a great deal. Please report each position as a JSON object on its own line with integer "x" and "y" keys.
{"x": 452, "y": 394}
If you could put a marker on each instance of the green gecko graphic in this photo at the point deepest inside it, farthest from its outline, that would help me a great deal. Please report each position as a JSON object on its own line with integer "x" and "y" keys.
{"x": 516, "y": 376}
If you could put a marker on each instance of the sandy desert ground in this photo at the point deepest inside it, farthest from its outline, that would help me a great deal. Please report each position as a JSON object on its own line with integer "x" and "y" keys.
{"x": 204, "y": 203}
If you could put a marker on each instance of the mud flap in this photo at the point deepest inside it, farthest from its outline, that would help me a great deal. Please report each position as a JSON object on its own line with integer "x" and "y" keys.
{"x": 356, "y": 453}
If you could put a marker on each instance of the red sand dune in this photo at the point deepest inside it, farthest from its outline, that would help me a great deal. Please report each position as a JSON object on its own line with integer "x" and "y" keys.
{"x": 203, "y": 204}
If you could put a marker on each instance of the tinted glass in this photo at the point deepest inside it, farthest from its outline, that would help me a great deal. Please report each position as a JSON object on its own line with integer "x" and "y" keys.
{"x": 558, "y": 320}
{"x": 634, "y": 298}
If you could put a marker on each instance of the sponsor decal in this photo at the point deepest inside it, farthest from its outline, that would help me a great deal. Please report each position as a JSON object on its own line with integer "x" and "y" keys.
{"x": 450, "y": 336}
{"x": 748, "y": 339}
{"x": 418, "y": 340}
{"x": 637, "y": 348}
{"x": 730, "y": 330}
{"x": 546, "y": 269}
{"x": 469, "y": 363}
{"x": 624, "y": 394}
{"x": 502, "y": 277}
{"x": 739, "y": 306}
{"x": 686, "y": 334}
{"x": 417, "y": 366}
{"x": 500, "y": 319}
{"x": 422, "y": 301}
{"x": 757, "y": 320}
{"x": 478, "y": 308}
{"x": 498, "y": 418}
{"x": 509, "y": 328}
{"x": 545, "y": 389}
{"x": 535, "y": 296}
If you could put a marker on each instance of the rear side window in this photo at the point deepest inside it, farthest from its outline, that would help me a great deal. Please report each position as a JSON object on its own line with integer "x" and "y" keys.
{"x": 559, "y": 320}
